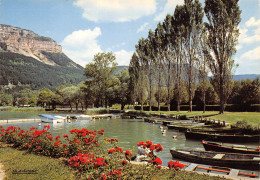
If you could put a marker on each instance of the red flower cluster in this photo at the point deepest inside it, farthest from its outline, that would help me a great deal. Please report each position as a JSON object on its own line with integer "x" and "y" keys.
{"x": 118, "y": 149}
{"x": 112, "y": 173}
{"x": 175, "y": 165}
{"x": 86, "y": 159}
{"x": 101, "y": 132}
{"x": 157, "y": 161}
{"x": 124, "y": 162}
{"x": 83, "y": 132}
{"x": 150, "y": 145}
{"x": 156, "y": 147}
{"x": 47, "y": 126}
{"x": 112, "y": 140}
{"x": 128, "y": 155}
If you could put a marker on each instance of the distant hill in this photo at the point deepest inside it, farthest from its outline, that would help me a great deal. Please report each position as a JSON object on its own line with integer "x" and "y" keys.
{"x": 120, "y": 68}
{"x": 246, "y": 76}
{"x": 20, "y": 70}
{"x": 28, "y": 60}
{"x": 235, "y": 77}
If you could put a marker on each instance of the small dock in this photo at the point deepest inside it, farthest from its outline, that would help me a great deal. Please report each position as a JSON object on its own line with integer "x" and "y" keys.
{"x": 19, "y": 120}
{"x": 104, "y": 116}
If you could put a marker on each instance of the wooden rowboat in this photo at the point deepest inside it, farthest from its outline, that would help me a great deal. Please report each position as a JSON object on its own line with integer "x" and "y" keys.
{"x": 222, "y": 137}
{"x": 233, "y": 148}
{"x": 231, "y": 160}
{"x": 220, "y": 171}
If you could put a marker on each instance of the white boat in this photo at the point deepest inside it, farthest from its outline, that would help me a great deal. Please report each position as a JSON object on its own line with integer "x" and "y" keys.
{"x": 51, "y": 119}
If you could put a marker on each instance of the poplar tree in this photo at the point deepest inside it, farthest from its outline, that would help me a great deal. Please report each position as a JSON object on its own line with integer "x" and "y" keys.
{"x": 222, "y": 36}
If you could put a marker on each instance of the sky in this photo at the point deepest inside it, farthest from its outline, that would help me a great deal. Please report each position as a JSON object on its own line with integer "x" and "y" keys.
{"x": 86, "y": 27}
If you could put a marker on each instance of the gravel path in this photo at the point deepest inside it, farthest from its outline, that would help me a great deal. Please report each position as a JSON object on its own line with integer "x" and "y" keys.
{"x": 2, "y": 173}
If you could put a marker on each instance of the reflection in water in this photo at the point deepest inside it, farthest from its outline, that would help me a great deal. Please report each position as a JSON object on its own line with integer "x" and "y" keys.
{"x": 128, "y": 131}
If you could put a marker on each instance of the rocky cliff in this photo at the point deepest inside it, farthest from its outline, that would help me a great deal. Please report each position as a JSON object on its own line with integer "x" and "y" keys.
{"x": 28, "y": 43}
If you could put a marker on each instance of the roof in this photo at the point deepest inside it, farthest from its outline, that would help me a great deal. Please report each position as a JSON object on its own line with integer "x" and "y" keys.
{"x": 48, "y": 116}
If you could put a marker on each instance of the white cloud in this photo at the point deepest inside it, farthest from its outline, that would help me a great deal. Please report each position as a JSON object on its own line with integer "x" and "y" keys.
{"x": 123, "y": 57}
{"x": 168, "y": 9}
{"x": 115, "y": 10}
{"x": 249, "y": 62}
{"x": 82, "y": 45}
{"x": 252, "y": 22}
{"x": 255, "y": 34}
{"x": 142, "y": 27}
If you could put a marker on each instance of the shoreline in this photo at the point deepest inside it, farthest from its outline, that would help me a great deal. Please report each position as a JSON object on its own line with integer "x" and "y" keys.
{"x": 19, "y": 120}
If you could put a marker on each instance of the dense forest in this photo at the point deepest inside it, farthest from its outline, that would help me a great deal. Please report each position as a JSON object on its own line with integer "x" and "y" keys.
{"x": 16, "y": 69}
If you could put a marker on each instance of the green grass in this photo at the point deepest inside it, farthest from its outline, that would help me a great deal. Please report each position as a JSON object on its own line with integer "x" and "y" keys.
{"x": 49, "y": 168}
{"x": 252, "y": 118}
{"x": 96, "y": 111}
{"x": 45, "y": 167}
{"x": 28, "y": 109}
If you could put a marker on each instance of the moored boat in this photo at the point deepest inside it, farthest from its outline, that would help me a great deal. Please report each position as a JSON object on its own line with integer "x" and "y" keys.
{"x": 233, "y": 148}
{"x": 47, "y": 118}
{"x": 184, "y": 126}
{"x": 222, "y": 137}
{"x": 231, "y": 160}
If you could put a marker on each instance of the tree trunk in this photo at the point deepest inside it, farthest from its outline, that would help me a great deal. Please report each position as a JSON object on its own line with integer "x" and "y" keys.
{"x": 204, "y": 100}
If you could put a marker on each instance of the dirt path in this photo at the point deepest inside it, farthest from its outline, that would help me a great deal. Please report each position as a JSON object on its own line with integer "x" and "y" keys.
{"x": 2, "y": 173}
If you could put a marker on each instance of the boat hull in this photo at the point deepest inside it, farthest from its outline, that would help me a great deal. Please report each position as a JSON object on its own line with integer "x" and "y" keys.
{"x": 219, "y": 148}
{"x": 222, "y": 137}
{"x": 246, "y": 164}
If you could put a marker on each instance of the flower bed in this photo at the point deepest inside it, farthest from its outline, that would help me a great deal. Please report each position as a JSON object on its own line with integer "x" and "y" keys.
{"x": 88, "y": 152}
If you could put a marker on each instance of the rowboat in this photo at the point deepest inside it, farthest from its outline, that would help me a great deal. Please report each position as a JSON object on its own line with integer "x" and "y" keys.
{"x": 228, "y": 173}
{"x": 222, "y": 137}
{"x": 231, "y": 160}
{"x": 233, "y": 148}
{"x": 184, "y": 126}
{"x": 47, "y": 118}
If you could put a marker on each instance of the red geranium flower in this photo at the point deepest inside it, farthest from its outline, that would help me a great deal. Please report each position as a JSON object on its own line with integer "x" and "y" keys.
{"x": 128, "y": 155}
{"x": 149, "y": 143}
{"x": 124, "y": 162}
{"x": 56, "y": 144}
{"x": 157, "y": 161}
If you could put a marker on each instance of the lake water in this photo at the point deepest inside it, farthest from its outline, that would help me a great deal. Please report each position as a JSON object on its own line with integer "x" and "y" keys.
{"x": 128, "y": 131}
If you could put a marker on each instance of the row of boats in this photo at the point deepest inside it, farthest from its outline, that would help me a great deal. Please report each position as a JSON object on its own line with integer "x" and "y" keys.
{"x": 218, "y": 153}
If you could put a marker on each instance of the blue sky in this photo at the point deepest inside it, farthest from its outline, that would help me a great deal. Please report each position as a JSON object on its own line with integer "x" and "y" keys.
{"x": 86, "y": 27}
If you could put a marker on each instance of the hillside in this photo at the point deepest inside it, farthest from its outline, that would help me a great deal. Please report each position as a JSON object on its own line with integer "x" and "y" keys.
{"x": 17, "y": 69}
{"x": 33, "y": 61}
{"x": 246, "y": 76}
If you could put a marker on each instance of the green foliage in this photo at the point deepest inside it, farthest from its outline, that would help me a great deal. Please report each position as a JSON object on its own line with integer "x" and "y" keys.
{"x": 19, "y": 71}
{"x": 96, "y": 111}
{"x": 42, "y": 38}
{"x": 119, "y": 92}
{"x": 222, "y": 37}
{"x": 99, "y": 75}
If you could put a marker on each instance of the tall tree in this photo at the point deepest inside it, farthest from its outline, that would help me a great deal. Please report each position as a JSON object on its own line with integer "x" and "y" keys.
{"x": 159, "y": 59}
{"x": 134, "y": 74}
{"x": 179, "y": 41}
{"x": 145, "y": 71}
{"x": 169, "y": 57}
{"x": 99, "y": 73}
{"x": 222, "y": 36}
{"x": 194, "y": 16}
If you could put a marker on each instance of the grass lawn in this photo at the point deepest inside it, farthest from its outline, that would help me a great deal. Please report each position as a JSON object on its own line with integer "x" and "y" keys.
{"x": 15, "y": 161}
{"x": 252, "y": 118}
{"x": 46, "y": 168}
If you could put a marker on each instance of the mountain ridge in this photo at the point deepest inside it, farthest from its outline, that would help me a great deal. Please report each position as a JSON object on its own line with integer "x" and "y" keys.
{"x": 33, "y": 61}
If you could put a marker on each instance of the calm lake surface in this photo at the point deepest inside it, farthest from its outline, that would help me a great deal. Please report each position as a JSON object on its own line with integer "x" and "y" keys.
{"x": 128, "y": 131}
